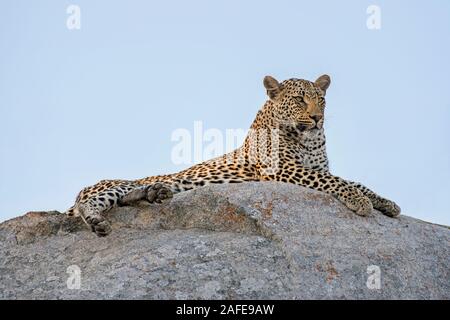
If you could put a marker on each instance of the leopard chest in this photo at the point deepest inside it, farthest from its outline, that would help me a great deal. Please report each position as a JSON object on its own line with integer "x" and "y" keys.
{"x": 310, "y": 150}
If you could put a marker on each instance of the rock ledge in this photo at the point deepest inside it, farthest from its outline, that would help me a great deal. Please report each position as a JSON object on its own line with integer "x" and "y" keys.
{"x": 244, "y": 241}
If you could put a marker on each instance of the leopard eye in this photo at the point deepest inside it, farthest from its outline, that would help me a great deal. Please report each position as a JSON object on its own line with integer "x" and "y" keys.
{"x": 299, "y": 99}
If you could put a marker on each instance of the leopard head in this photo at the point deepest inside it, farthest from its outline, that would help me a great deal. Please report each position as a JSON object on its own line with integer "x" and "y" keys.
{"x": 297, "y": 102}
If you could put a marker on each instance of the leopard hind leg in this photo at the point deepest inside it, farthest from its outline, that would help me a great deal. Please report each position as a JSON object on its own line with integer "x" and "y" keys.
{"x": 96, "y": 200}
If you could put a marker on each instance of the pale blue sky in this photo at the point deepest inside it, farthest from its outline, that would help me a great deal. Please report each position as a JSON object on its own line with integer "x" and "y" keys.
{"x": 102, "y": 102}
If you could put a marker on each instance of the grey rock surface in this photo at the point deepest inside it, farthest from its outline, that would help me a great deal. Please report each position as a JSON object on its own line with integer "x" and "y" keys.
{"x": 240, "y": 241}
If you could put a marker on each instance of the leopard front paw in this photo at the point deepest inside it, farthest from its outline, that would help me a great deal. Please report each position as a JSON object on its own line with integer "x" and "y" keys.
{"x": 388, "y": 208}
{"x": 132, "y": 197}
{"x": 361, "y": 205}
{"x": 159, "y": 193}
{"x": 99, "y": 225}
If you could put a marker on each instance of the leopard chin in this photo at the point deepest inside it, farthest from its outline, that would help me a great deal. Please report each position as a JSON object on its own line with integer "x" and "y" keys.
{"x": 305, "y": 127}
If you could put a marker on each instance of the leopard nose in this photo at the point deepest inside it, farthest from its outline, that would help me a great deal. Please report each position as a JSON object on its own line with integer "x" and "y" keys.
{"x": 316, "y": 117}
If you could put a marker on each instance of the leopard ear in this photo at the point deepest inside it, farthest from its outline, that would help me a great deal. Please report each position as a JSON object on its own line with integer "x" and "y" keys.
{"x": 323, "y": 82}
{"x": 272, "y": 86}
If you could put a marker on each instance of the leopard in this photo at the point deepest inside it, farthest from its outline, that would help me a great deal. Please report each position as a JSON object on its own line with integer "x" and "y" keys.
{"x": 285, "y": 143}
